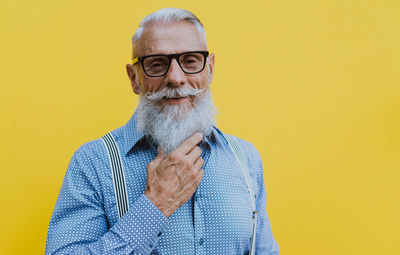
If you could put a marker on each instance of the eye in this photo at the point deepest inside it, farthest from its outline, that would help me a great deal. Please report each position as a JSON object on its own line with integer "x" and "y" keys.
{"x": 191, "y": 59}
{"x": 156, "y": 63}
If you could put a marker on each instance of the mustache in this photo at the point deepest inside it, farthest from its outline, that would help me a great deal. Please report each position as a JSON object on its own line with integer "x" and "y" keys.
{"x": 173, "y": 93}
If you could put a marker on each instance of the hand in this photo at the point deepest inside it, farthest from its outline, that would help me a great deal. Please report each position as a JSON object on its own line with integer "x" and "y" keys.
{"x": 172, "y": 180}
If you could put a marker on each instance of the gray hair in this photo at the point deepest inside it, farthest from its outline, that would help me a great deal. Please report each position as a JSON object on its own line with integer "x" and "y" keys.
{"x": 169, "y": 16}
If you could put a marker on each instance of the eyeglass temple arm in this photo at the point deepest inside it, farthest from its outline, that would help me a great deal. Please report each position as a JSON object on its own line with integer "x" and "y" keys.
{"x": 135, "y": 60}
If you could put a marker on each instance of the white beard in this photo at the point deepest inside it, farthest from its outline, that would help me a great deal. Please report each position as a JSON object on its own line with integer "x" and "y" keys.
{"x": 169, "y": 125}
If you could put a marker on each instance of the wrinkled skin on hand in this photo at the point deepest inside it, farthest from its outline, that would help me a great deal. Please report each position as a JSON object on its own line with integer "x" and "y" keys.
{"x": 172, "y": 179}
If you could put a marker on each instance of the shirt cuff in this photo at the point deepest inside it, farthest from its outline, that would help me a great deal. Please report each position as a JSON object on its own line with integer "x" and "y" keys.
{"x": 142, "y": 226}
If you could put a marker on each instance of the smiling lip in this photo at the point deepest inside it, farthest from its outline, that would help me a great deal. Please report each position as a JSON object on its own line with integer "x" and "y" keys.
{"x": 180, "y": 100}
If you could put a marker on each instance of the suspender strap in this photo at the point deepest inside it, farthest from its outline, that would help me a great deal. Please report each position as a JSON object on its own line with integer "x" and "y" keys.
{"x": 120, "y": 190}
{"x": 237, "y": 150}
{"x": 117, "y": 173}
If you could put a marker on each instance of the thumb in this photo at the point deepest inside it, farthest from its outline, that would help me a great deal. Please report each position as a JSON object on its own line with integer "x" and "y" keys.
{"x": 153, "y": 165}
{"x": 160, "y": 156}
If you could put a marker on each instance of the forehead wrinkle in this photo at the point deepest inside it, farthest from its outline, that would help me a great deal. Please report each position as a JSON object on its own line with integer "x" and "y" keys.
{"x": 167, "y": 39}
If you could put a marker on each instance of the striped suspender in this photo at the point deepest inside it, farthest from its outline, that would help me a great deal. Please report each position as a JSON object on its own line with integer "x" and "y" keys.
{"x": 117, "y": 172}
{"x": 242, "y": 162}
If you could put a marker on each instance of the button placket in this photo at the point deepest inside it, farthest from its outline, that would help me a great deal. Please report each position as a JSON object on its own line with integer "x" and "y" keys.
{"x": 199, "y": 223}
{"x": 199, "y": 229}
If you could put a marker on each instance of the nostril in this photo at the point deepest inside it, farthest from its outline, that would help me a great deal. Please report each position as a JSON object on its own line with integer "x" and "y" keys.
{"x": 173, "y": 83}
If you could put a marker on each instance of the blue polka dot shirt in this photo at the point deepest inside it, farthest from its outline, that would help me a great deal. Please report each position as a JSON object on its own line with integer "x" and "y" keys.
{"x": 216, "y": 220}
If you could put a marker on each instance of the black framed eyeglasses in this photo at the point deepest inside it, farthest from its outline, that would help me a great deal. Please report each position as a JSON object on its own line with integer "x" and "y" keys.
{"x": 156, "y": 65}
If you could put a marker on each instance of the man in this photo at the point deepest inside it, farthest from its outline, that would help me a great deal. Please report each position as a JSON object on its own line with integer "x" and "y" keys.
{"x": 180, "y": 187}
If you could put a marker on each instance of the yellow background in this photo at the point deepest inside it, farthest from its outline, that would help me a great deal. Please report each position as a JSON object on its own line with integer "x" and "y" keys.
{"x": 315, "y": 85}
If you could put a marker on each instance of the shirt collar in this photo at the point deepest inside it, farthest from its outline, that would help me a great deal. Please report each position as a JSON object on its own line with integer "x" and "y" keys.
{"x": 132, "y": 135}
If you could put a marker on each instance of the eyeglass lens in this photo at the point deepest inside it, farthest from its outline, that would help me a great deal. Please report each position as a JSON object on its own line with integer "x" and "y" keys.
{"x": 189, "y": 62}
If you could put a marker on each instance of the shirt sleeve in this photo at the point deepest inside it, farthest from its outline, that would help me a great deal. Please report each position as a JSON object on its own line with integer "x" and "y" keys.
{"x": 79, "y": 224}
{"x": 265, "y": 241}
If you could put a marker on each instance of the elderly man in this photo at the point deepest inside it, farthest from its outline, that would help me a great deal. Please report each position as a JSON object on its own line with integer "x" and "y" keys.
{"x": 169, "y": 181}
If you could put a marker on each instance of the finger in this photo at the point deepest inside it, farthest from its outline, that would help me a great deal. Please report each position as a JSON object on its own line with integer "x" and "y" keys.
{"x": 189, "y": 144}
{"x": 160, "y": 152}
{"x": 160, "y": 156}
{"x": 150, "y": 175}
{"x": 157, "y": 160}
{"x": 194, "y": 155}
{"x": 199, "y": 177}
{"x": 198, "y": 164}
{"x": 191, "y": 173}
{"x": 201, "y": 174}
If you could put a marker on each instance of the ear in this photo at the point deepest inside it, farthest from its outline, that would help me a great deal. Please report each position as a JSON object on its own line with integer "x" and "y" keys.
{"x": 210, "y": 68}
{"x": 133, "y": 78}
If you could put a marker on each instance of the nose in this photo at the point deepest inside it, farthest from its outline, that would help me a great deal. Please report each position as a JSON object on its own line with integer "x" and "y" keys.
{"x": 175, "y": 77}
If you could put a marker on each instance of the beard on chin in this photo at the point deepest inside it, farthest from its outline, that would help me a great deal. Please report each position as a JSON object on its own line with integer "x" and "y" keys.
{"x": 169, "y": 125}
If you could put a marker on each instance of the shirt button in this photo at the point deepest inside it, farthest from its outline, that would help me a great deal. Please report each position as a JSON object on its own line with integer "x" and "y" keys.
{"x": 158, "y": 235}
{"x": 201, "y": 241}
{"x": 195, "y": 198}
